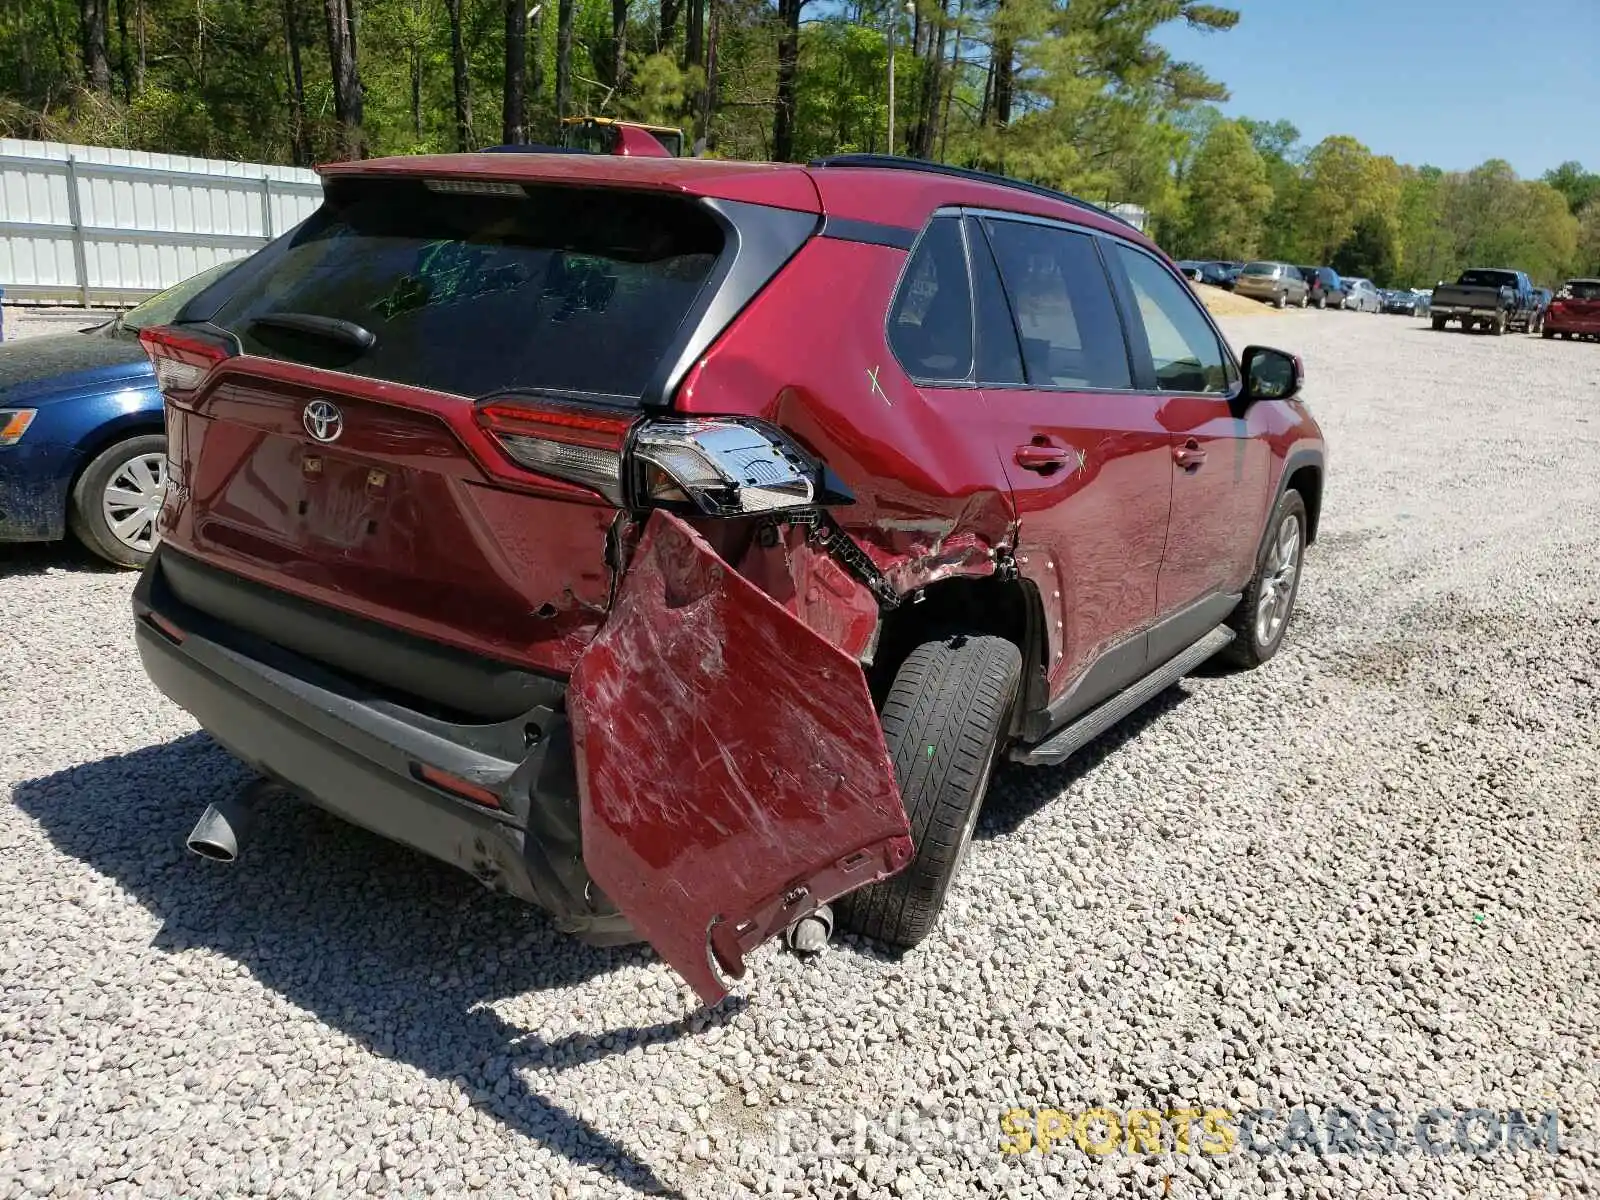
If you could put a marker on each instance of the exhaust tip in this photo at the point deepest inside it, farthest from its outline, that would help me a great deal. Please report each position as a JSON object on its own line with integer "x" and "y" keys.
{"x": 216, "y": 834}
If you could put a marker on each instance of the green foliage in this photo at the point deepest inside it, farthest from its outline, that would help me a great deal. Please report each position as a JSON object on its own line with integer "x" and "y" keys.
{"x": 1370, "y": 252}
{"x": 1078, "y": 94}
{"x": 1226, "y": 197}
{"x": 1577, "y": 186}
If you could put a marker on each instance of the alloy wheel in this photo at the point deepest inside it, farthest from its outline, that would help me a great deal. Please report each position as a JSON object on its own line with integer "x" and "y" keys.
{"x": 1277, "y": 581}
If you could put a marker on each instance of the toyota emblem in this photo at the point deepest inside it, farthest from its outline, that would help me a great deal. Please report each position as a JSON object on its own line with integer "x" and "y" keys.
{"x": 323, "y": 421}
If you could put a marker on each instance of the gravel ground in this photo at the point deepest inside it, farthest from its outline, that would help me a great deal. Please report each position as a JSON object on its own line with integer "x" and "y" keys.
{"x": 1364, "y": 875}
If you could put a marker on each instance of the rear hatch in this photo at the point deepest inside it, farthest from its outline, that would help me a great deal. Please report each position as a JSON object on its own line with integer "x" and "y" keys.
{"x": 429, "y": 386}
{"x": 1578, "y": 303}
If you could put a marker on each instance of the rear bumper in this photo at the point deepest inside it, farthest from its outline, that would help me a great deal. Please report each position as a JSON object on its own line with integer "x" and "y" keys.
{"x": 1572, "y": 324}
{"x": 365, "y": 759}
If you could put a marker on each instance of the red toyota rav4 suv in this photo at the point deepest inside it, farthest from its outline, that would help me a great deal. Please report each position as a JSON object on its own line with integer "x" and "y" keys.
{"x": 677, "y": 545}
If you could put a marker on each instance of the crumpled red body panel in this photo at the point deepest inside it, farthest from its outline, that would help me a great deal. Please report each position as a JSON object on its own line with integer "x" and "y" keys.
{"x": 731, "y": 767}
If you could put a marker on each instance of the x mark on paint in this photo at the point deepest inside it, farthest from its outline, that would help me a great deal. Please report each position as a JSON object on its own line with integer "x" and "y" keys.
{"x": 877, "y": 388}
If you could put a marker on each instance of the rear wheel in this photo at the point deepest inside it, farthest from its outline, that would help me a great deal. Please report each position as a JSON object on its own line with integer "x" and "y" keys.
{"x": 944, "y": 720}
{"x": 1281, "y": 300}
{"x": 117, "y": 499}
{"x": 1500, "y": 323}
{"x": 1322, "y": 300}
{"x": 1438, "y": 323}
{"x": 1546, "y": 332}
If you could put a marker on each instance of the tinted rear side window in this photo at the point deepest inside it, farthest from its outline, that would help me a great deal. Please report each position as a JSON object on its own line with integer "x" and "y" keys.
{"x": 1067, "y": 321}
{"x": 566, "y": 289}
{"x": 930, "y": 326}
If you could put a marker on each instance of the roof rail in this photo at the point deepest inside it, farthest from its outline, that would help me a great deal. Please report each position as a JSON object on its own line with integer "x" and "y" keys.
{"x": 899, "y": 163}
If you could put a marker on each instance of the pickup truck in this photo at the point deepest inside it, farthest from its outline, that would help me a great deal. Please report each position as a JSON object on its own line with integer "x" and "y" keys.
{"x": 1496, "y": 299}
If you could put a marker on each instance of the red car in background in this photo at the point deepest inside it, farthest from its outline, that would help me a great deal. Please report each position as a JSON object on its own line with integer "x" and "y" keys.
{"x": 679, "y": 544}
{"x": 1575, "y": 310}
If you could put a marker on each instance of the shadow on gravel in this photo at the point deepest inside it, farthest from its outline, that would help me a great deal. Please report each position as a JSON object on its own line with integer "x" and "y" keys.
{"x": 402, "y": 954}
{"x": 36, "y": 558}
{"x": 1018, "y": 792}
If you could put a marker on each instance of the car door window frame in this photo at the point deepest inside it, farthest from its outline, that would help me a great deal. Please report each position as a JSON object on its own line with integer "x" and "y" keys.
{"x": 982, "y": 215}
{"x": 1138, "y": 340}
{"x": 970, "y": 380}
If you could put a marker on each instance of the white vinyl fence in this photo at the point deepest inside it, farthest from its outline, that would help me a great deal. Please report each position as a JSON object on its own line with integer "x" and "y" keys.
{"x": 93, "y": 225}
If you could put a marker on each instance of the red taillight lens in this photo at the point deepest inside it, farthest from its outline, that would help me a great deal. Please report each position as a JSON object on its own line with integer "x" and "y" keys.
{"x": 710, "y": 466}
{"x": 182, "y": 359}
{"x": 580, "y": 445}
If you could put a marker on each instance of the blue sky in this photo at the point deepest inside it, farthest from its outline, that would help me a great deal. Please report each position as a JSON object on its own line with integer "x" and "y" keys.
{"x": 1446, "y": 82}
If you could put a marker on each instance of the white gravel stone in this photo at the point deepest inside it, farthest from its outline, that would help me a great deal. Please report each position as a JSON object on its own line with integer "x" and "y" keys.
{"x": 1364, "y": 874}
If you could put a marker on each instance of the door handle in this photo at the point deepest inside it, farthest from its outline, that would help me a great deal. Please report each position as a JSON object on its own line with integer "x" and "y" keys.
{"x": 1043, "y": 459}
{"x": 1189, "y": 456}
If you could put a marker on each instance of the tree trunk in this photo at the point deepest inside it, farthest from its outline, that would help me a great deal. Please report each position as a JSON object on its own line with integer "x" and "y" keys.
{"x": 932, "y": 84}
{"x": 536, "y": 67}
{"x": 463, "y": 93}
{"x": 1004, "y": 82}
{"x": 514, "y": 116}
{"x": 708, "y": 98}
{"x": 955, "y": 78}
{"x": 667, "y": 36}
{"x": 788, "y": 62}
{"x": 619, "y": 47}
{"x": 96, "y": 66}
{"x": 694, "y": 35}
{"x": 563, "y": 61}
{"x": 417, "y": 48}
{"x": 125, "y": 68}
{"x": 138, "y": 33}
{"x": 299, "y": 139}
{"x": 347, "y": 99}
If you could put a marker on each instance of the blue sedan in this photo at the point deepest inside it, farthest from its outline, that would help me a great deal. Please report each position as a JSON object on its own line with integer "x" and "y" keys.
{"x": 82, "y": 437}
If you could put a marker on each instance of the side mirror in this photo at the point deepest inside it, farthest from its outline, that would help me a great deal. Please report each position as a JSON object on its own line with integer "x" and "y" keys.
{"x": 1270, "y": 374}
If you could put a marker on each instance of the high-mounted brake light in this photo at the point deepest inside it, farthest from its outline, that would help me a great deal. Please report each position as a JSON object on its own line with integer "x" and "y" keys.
{"x": 181, "y": 359}
{"x": 473, "y": 187}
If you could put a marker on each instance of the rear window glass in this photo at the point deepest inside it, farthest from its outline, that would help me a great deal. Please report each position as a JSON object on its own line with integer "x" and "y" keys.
{"x": 565, "y": 289}
{"x": 1487, "y": 279}
{"x": 1261, "y": 269}
{"x": 1583, "y": 289}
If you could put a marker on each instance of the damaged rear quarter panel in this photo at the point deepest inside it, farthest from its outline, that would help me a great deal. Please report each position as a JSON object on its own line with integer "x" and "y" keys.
{"x": 732, "y": 772}
{"x": 811, "y": 356}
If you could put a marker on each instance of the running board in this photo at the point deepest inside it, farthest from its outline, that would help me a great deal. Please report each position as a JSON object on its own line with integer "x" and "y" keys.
{"x": 1097, "y": 720}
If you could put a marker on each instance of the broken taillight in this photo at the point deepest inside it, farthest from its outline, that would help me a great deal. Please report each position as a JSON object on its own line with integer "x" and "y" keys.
{"x": 182, "y": 359}
{"x": 714, "y": 467}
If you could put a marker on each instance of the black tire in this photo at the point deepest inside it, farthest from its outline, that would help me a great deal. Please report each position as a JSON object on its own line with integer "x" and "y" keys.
{"x": 1546, "y": 333}
{"x": 85, "y": 514}
{"x": 1322, "y": 301}
{"x": 944, "y": 720}
{"x": 1438, "y": 323}
{"x": 1500, "y": 324}
{"x": 1249, "y": 649}
{"x": 1281, "y": 300}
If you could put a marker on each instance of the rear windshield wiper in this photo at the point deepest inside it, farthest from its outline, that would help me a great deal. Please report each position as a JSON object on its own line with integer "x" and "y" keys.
{"x": 328, "y": 328}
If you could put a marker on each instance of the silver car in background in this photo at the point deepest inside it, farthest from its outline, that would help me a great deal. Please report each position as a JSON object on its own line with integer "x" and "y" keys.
{"x": 1279, "y": 284}
{"x": 1362, "y": 296}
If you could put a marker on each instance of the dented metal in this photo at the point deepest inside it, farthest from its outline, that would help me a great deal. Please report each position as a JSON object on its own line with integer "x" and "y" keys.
{"x": 732, "y": 773}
